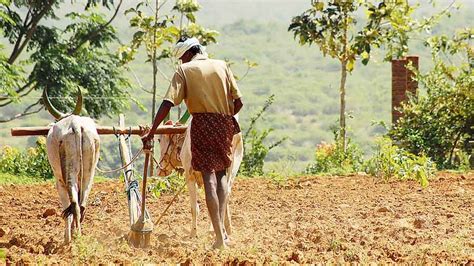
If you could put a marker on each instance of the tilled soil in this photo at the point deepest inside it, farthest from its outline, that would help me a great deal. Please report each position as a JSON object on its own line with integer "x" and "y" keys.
{"x": 306, "y": 220}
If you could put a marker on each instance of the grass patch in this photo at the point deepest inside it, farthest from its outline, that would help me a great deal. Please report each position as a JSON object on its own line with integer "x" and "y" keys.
{"x": 100, "y": 179}
{"x": 3, "y": 255}
{"x": 86, "y": 249}
{"x": 6, "y": 179}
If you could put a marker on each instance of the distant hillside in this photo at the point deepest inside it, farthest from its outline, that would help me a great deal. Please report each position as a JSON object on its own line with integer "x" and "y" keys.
{"x": 305, "y": 83}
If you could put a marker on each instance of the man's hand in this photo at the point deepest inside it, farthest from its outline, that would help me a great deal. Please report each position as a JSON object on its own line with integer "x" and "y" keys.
{"x": 147, "y": 138}
{"x": 147, "y": 141}
{"x": 160, "y": 116}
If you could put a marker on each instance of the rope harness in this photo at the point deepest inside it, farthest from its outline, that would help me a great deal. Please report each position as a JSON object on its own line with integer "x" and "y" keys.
{"x": 108, "y": 171}
{"x": 167, "y": 151}
{"x": 133, "y": 186}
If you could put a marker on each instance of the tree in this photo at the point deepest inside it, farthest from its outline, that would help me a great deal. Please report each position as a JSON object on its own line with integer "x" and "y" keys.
{"x": 441, "y": 120}
{"x": 61, "y": 59}
{"x": 159, "y": 31}
{"x": 333, "y": 24}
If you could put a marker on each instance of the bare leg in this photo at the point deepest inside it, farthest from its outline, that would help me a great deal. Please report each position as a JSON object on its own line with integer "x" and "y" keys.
{"x": 222, "y": 194}
{"x": 212, "y": 202}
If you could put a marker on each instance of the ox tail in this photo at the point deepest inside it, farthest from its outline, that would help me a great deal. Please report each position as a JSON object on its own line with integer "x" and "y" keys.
{"x": 77, "y": 213}
{"x": 69, "y": 210}
{"x": 72, "y": 181}
{"x": 80, "y": 176}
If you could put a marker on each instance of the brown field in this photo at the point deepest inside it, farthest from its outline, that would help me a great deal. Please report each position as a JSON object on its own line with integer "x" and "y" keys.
{"x": 311, "y": 219}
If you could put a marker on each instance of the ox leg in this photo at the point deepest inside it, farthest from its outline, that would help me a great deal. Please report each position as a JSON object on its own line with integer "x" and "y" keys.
{"x": 194, "y": 205}
{"x": 64, "y": 198}
{"x": 212, "y": 202}
{"x": 227, "y": 220}
{"x": 90, "y": 157}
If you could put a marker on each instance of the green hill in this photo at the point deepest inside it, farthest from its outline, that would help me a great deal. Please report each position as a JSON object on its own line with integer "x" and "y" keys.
{"x": 305, "y": 84}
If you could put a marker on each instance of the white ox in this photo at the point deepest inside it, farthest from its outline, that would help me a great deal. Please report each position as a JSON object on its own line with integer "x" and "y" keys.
{"x": 73, "y": 152}
{"x": 176, "y": 155}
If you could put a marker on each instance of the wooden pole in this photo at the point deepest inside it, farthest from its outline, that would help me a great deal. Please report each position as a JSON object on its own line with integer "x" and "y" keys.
{"x": 128, "y": 173}
{"x": 102, "y": 130}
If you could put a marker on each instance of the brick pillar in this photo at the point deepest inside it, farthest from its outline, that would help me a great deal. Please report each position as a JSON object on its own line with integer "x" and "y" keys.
{"x": 402, "y": 81}
{"x": 412, "y": 84}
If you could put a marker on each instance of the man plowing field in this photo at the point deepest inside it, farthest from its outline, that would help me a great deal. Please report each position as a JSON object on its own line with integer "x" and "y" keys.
{"x": 212, "y": 97}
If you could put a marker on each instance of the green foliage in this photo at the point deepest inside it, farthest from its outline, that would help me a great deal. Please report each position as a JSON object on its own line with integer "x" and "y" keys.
{"x": 86, "y": 249}
{"x": 334, "y": 27}
{"x": 391, "y": 161}
{"x": 32, "y": 163}
{"x": 255, "y": 150}
{"x": 167, "y": 184}
{"x": 442, "y": 120}
{"x": 327, "y": 26}
{"x": 10, "y": 77}
{"x": 158, "y": 33}
{"x": 331, "y": 158}
{"x": 61, "y": 68}
{"x": 61, "y": 59}
{"x": 6, "y": 178}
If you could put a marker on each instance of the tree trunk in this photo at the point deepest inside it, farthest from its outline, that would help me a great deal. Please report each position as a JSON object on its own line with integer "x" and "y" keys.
{"x": 155, "y": 67}
{"x": 342, "y": 110}
{"x": 153, "y": 107}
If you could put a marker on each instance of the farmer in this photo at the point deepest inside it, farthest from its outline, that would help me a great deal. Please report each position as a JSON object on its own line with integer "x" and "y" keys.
{"x": 212, "y": 97}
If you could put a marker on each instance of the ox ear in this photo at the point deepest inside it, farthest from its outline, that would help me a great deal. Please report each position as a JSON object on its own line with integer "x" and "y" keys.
{"x": 78, "y": 108}
{"x": 49, "y": 106}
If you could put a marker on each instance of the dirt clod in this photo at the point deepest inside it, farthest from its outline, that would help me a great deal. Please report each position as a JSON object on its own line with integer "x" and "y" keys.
{"x": 4, "y": 231}
{"x": 384, "y": 209}
{"x": 419, "y": 223}
{"x": 49, "y": 212}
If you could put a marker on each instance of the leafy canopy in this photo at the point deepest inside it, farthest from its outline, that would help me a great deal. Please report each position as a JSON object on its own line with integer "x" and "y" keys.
{"x": 60, "y": 60}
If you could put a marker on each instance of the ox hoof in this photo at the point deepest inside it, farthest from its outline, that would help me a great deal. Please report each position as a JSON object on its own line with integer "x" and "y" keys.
{"x": 193, "y": 234}
{"x": 220, "y": 246}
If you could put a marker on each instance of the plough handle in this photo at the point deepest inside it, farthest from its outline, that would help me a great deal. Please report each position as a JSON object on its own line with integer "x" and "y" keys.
{"x": 147, "y": 148}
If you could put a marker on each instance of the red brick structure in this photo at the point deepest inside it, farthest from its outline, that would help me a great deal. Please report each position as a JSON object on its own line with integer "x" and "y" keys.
{"x": 402, "y": 82}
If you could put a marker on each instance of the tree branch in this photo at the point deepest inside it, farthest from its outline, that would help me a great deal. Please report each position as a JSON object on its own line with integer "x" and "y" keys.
{"x": 26, "y": 24}
{"x": 25, "y": 113}
{"x": 29, "y": 33}
{"x": 11, "y": 101}
{"x": 6, "y": 97}
{"x": 94, "y": 33}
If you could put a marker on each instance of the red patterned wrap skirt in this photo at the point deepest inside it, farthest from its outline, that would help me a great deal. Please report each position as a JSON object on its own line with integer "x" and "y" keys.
{"x": 211, "y": 141}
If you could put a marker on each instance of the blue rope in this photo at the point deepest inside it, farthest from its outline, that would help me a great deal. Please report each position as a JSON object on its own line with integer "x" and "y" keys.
{"x": 132, "y": 186}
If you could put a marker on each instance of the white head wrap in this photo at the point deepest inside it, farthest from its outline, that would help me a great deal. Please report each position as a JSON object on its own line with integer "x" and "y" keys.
{"x": 181, "y": 47}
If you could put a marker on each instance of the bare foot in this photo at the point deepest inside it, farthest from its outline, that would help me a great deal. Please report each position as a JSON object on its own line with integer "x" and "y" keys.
{"x": 220, "y": 246}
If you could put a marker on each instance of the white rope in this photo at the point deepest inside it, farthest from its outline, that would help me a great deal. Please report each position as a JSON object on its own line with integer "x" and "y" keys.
{"x": 120, "y": 168}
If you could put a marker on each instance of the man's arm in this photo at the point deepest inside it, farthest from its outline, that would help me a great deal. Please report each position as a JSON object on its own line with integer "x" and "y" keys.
{"x": 237, "y": 105}
{"x": 160, "y": 116}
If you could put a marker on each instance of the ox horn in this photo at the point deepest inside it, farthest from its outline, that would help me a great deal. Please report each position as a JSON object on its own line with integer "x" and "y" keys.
{"x": 51, "y": 109}
{"x": 78, "y": 108}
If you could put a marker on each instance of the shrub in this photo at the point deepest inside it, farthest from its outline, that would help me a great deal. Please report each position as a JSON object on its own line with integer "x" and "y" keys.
{"x": 255, "y": 150}
{"x": 33, "y": 162}
{"x": 442, "y": 120}
{"x": 331, "y": 158}
{"x": 391, "y": 161}
{"x": 167, "y": 184}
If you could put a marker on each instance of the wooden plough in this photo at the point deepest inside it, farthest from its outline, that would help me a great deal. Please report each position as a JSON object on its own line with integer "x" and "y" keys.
{"x": 140, "y": 221}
